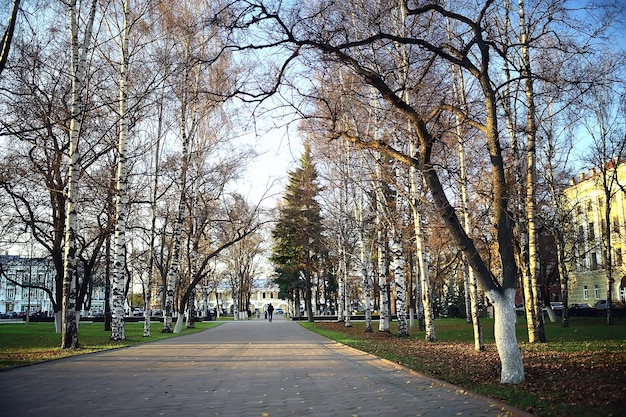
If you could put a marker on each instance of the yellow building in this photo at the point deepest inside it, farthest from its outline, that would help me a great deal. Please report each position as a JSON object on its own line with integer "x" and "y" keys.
{"x": 588, "y": 283}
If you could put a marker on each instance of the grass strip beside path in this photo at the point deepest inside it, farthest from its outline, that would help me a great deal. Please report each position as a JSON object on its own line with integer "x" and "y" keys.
{"x": 579, "y": 372}
{"x": 38, "y": 342}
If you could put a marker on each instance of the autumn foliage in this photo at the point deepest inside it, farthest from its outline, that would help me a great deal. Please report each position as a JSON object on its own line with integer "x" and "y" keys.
{"x": 563, "y": 378}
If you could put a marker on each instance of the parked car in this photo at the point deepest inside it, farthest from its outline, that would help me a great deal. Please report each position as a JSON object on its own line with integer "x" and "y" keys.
{"x": 9, "y": 315}
{"x": 279, "y": 311}
{"x": 579, "y": 305}
{"x": 602, "y": 304}
{"x": 35, "y": 315}
{"x": 556, "y": 305}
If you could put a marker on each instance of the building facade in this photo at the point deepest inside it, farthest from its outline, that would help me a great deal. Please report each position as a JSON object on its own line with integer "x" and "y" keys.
{"x": 586, "y": 200}
{"x": 260, "y": 298}
{"x": 21, "y": 283}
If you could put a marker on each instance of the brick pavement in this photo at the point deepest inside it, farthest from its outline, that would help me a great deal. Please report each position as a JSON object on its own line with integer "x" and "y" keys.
{"x": 238, "y": 369}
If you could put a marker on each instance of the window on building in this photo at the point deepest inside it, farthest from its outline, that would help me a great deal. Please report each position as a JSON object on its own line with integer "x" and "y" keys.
{"x": 272, "y": 295}
{"x": 618, "y": 257}
{"x": 263, "y": 294}
{"x": 596, "y": 292}
{"x": 10, "y": 293}
{"x": 594, "y": 261}
{"x": 585, "y": 293}
{"x": 591, "y": 232}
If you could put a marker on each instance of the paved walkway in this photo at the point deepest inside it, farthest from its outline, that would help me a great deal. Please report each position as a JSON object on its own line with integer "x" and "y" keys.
{"x": 241, "y": 369}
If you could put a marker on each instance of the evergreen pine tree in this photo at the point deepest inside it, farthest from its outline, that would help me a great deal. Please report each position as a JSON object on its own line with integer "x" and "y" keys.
{"x": 298, "y": 240}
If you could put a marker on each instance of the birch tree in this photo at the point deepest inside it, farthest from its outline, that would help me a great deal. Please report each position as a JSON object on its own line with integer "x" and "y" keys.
{"x": 153, "y": 220}
{"x": 8, "y": 35}
{"x": 345, "y": 264}
{"x": 363, "y": 258}
{"x": 381, "y": 256}
{"x": 121, "y": 179}
{"x": 79, "y": 52}
{"x": 471, "y": 288}
{"x": 422, "y": 264}
{"x": 531, "y": 179}
{"x": 172, "y": 273}
{"x": 187, "y": 35}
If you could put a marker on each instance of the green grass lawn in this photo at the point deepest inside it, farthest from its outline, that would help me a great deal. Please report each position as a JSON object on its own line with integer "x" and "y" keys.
{"x": 21, "y": 344}
{"x": 579, "y": 372}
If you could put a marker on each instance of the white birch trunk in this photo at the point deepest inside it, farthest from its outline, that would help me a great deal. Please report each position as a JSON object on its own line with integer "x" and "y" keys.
{"x": 466, "y": 292}
{"x": 531, "y": 178}
{"x": 194, "y": 258}
{"x": 341, "y": 299}
{"x": 424, "y": 279}
{"x": 153, "y": 217}
{"x": 178, "y": 326}
{"x": 511, "y": 123}
{"x": 512, "y": 371}
{"x": 471, "y": 286}
{"x": 121, "y": 201}
{"x": 172, "y": 274}
{"x": 422, "y": 264}
{"x": 398, "y": 273}
{"x": 153, "y": 214}
{"x": 58, "y": 321}
{"x": 383, "y": 323}
{"x": 419, "y": 304}
{"x": 479, "y": 342}
{"x": 173, "y": 270}
{"x": 344, "y": 233}
{"x": 364, "y": 270}
{"x": 69, "y": 335}
{"x": 346, "y": 290}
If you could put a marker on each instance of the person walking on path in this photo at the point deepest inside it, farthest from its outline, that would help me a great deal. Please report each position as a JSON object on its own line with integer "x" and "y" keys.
{"x": 270, "y": 311}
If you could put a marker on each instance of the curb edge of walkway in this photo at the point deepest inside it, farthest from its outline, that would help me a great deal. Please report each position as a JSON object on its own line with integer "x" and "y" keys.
{"x": 513, "y": 411}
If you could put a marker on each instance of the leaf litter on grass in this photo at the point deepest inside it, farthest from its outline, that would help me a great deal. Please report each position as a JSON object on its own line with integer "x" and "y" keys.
{"x": 586, "y": 379}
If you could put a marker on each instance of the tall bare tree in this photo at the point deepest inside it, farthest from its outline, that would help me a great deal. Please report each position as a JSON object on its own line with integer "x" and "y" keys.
{"x": 79, "y": 52}
{"x": 307, "y": 29}
{"x": 8, "y": 35}
{"x": 604, "y": 122}
{"x": 121, "y": 179}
